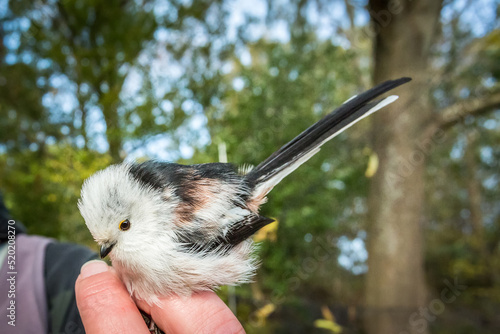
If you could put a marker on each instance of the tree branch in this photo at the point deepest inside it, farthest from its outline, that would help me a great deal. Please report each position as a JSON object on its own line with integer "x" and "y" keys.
{"x": 474, "y": 106}
{"x": 350, "y": 13}
{"x": 454, "y": 113}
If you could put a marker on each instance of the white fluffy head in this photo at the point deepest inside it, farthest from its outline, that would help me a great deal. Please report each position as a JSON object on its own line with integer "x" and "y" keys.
{"x": 112, "y": 195}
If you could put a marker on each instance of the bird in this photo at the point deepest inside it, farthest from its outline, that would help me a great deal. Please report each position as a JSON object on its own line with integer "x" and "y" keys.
{"x": 177, "y": 229}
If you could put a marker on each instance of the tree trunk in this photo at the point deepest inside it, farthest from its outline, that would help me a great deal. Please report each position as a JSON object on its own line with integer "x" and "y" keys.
{"x": 474, "y": 191}
{"x": 395, "y": 288}
{"x": 109, "y": 104}
{"x": 113, "y": 134}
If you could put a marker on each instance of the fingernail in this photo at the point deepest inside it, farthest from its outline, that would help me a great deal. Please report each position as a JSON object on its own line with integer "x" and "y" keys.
{"x": 92, "y": 268}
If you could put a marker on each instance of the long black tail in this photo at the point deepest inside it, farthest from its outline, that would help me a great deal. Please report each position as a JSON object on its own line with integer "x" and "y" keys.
{"x": 284, "y": 161}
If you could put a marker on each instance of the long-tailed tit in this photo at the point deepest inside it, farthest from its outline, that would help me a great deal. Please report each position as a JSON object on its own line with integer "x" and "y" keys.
{"x": 172, "y": 228}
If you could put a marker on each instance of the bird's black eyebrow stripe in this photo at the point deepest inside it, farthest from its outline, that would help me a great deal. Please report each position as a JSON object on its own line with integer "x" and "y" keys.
{"x": 157, "y": 174}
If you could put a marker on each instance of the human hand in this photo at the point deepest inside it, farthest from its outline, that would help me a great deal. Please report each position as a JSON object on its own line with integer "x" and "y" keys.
{"x": 106, "y": 307}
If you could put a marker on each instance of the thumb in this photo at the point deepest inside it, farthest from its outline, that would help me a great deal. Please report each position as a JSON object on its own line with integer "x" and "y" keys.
{"x": 104, "y": 303}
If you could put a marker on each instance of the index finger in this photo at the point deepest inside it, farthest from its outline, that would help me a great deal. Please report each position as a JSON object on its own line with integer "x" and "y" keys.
{"x": 202, "y": 312}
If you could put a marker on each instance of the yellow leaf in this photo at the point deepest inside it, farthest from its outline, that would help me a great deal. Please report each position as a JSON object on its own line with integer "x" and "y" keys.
{"x": 268, "y": 232}
{"x": 265, "y": 311}
{"x": 372, "y": 165}
{"x": 260, "y": 316}
{"x": 328, "y": 325}
{"x": 327, "y": 314}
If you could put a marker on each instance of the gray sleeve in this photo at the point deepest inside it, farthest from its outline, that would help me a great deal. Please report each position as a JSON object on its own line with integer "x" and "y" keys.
{"x": 62, "y": 266}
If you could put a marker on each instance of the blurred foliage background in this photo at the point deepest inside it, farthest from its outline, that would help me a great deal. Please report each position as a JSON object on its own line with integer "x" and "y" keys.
{"x": 87, "y": 83}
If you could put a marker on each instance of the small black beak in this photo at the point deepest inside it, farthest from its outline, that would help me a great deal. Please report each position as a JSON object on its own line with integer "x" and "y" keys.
{"x": 105, "y": 249}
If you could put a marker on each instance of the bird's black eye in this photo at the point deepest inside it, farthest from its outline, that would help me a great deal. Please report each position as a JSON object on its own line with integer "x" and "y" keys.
{"x": 124, "y": 225}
